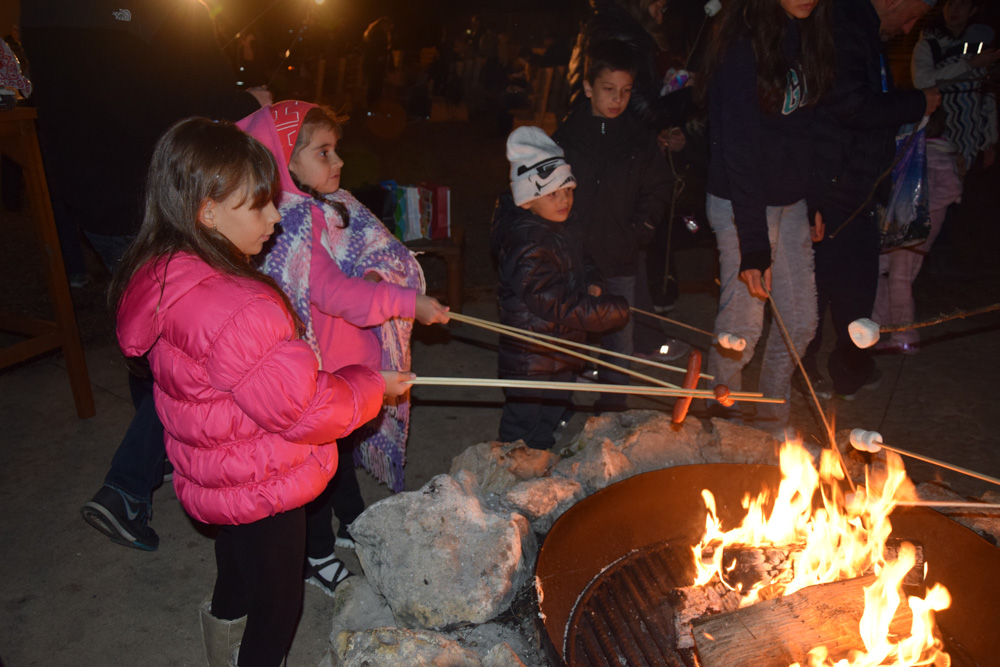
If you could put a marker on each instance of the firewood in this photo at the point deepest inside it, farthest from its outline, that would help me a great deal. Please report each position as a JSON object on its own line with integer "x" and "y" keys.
{"x": 783, "y": 630}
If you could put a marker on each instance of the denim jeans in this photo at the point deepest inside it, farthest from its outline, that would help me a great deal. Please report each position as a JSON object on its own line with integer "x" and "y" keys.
{"x": 109, "y": 248}
{"x": 793, "y": 288}
{"x": 532, "y": 415}
{"x": 137, "y": 466}
{"x": 616, "y": 340}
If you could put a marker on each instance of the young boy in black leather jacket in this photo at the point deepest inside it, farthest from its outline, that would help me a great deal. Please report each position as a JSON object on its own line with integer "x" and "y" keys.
{"x": 545, "y": 285}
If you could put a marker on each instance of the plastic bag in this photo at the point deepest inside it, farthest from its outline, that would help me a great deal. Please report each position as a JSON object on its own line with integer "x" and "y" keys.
{"x": 906, "y": 218}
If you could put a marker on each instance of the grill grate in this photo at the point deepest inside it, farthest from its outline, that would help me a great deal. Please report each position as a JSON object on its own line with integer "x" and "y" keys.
{"x": 625, "y": 618}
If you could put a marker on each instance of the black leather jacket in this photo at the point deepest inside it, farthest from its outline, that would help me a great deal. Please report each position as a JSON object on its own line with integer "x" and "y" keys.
{"x": 543, "y": 288}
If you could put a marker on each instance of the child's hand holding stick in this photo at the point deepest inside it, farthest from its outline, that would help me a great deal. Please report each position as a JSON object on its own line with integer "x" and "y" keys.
{"x": 397, "y": 382}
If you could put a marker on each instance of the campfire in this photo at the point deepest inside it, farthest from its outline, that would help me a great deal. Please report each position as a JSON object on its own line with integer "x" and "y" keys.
{"x": 830, "y": 537}
{"x": 806, "y": 575}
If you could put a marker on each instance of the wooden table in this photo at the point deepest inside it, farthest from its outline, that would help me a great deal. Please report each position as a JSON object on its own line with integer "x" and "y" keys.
{"x": 19, "y": 142}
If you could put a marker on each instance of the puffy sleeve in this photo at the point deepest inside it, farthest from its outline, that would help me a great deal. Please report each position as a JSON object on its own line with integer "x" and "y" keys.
{"x": 538, "y": 277}
{"x": 275, "y": 378}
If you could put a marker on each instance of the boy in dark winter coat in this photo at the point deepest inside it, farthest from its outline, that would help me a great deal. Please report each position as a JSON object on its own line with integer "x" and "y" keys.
{"x": 624, "y": 184}
{"x": 545, "y": 285}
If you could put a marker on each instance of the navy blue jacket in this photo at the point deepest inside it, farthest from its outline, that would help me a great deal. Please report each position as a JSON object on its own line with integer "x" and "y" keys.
{"x": 623, "y": 186}
{"x": 758, "y": 159}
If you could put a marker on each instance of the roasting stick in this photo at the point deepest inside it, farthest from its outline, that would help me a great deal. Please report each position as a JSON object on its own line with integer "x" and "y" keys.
{"x": 871, "y": 441}
{"x": 947, "y": 503}
{"x": 576, "y": 386}
{"x": 865, "y": 332}
{"x": 812, "y": 392}
{"x": 559, "y": 345}
{"x": 725, "y": 339}
{"x": 667, "y": 319}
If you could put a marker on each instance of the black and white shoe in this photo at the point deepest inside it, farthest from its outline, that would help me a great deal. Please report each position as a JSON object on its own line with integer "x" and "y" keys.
{"x": 327, "y": 574}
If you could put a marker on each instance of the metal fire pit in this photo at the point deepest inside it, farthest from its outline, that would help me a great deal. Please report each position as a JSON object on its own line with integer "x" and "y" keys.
{"x": 662, "y": 513}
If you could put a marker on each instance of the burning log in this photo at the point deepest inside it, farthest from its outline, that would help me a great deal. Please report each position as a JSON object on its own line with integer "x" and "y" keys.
{"x": 783, "y": 630}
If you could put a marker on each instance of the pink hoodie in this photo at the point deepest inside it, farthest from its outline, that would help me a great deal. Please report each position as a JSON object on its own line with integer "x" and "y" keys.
{"x": 250, "y": 423}
{"x": 343, "y": 309}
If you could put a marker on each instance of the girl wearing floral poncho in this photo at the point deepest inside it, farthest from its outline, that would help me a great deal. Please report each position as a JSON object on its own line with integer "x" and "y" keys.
{"x": 356, "y": 289}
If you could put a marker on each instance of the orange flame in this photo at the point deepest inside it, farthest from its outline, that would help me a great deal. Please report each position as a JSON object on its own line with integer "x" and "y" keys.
{"x": 832, "y": 536}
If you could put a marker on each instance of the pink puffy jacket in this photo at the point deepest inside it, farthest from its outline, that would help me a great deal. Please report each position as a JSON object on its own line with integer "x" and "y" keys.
{"x": 250, "y": 422}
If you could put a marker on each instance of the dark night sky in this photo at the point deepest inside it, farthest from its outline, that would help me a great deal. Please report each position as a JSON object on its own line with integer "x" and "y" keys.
{"x": 416, "y": 20}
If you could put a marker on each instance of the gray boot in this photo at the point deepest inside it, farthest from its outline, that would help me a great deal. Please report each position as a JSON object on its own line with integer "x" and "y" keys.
{"x": 222, "y": 638}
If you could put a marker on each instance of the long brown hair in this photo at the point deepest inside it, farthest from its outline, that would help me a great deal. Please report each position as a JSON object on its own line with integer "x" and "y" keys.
{"x": 766, "y": 23}
{"x": 195, "y": 160}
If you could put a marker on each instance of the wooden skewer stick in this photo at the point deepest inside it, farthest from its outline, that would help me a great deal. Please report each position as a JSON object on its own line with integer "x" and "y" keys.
{"x": 948, "y": 503}
{"x": 577, "y": 386}
{"x": 958, "y": 314}
{"x": 667, "y": 319}
{"x": 798, "y": 360}
{"x": 559, "y": 345}
{"x": 949, "y": 466}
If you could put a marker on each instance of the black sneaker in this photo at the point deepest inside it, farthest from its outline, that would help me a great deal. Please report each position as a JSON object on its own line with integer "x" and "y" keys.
{"x": 873, "y": 382}
{"x": 121, "y": 520}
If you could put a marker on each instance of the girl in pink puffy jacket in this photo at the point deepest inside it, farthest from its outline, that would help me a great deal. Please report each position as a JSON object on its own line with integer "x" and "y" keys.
{"x": 250, "y": 421}
{"x": 357, "y": 290}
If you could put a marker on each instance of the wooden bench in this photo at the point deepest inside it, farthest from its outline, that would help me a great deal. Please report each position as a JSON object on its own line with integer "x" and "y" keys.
{"x": 449, "y": 251}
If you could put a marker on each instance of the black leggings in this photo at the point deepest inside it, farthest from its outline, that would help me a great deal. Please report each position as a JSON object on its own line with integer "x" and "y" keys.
{"x": 260, "y": 577}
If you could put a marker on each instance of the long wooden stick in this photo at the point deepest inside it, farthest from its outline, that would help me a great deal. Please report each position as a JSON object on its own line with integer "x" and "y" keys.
{"x": 667, "y": 319}
{"x": 948, "y": 503}
{"x": 958, "y": 314}
{"x": 798, "y": 360}
{"x": 949, "y": 466}
{"x": 578, "y": 386}
{"x": 560, "y": 345}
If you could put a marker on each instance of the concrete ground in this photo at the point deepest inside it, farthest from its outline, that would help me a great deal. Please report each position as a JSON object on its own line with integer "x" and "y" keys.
{"x": 71, "y": 597}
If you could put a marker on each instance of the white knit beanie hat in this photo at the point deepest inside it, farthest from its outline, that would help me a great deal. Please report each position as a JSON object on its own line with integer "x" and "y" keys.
{"x": 537, "y": 166}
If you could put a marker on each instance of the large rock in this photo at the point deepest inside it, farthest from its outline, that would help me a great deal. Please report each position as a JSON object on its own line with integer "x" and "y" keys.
{"x": 357, "y": 607}
{"x": 498, "y": 466}
{"x": 657, "y": 443}
{"x": 440, "y": 559}
{"x": 614, "y": 427}
{"x": 599, "y": 464}
{"x": 544, "y": 500}
{"x": 736, "y": 443}
{"x": 502, "y": 655}
{"x": 399, "y": 647}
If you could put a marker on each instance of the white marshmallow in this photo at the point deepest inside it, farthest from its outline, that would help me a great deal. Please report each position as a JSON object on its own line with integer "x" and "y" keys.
{"x": 866, "y": 441}
{"x": 732, "y": 341}
{"x": 864, "y": 332}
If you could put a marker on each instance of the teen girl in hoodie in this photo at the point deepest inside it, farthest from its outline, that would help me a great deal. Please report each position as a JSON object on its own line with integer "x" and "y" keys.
{"x": 356, "y": 289}
{"x": 767, "y": 66}
{"x": 250, "y": 421}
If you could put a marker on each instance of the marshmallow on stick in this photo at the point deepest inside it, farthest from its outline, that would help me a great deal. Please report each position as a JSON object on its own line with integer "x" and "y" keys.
{"x": 864, "y": 332}
{"x": 866, "y": 441}
{"x": 731, "y": 341}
